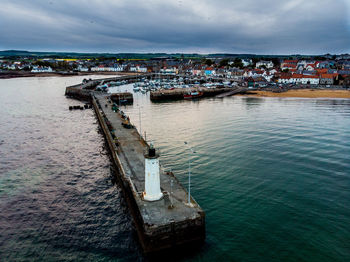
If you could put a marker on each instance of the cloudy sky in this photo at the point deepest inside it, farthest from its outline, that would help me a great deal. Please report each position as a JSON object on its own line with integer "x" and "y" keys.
{"x": 200, "y": 26}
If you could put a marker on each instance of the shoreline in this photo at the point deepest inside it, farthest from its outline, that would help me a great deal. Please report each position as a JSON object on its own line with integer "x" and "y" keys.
{"x": 302, "y": 93}
{"x": 18, "y": 74}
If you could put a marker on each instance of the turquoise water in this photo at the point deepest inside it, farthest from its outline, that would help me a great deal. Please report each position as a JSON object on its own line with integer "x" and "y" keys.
{"x": 272, "y": 174}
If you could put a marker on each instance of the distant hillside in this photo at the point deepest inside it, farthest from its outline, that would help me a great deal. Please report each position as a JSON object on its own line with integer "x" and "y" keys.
{"x": 32, "y": 54}
{"x": 20, "y": 53}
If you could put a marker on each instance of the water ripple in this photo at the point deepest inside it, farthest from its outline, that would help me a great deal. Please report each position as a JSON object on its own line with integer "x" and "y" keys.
{"x": 272, "y": 175}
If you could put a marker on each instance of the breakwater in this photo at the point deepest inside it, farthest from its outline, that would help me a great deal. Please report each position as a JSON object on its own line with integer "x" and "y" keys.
{"x": 84, "y": 90}
{"x": 170, "y": 222}
{"x": 178, "y": 93}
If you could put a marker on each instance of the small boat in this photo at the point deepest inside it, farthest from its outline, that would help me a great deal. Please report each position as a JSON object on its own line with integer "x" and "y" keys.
{"x": 103, "y": 88}
{"x": 193, "y": 94}
{"x": 123, "y": 101}
{"x": 115, "y": 83}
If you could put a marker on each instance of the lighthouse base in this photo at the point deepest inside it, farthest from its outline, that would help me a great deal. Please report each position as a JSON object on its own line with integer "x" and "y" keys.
{"x": 152, "y": 197}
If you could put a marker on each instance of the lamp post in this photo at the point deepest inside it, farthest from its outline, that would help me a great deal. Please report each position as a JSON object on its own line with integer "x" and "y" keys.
{"x": 189, "y": 173}
{"x": 140, "y": 119}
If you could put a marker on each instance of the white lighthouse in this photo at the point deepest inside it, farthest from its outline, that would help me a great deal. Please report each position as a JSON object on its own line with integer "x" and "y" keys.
{"x": 152, "y": 180}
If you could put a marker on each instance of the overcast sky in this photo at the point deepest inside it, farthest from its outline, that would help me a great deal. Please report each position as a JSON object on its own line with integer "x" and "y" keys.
{"x": 199, "y": 26}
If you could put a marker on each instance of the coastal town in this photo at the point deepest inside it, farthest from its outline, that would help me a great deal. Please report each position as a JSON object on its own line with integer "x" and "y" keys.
{"x": 327, "y": 71}
{"x": 175, "y": 130}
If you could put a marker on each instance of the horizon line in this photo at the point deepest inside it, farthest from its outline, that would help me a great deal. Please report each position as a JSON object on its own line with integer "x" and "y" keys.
{"x": 169, "y": 53}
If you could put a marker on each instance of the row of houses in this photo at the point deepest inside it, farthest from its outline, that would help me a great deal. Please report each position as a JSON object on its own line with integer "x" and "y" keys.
{"x": 102, "y": 68}
{"x": 24, "y": 66}
{"x": 311, "y": 65}
{"x": 322, "y": 79}
{"x": 17, "y": 65}
{"x": 287, "y": 71}
{"x": 42, "y": 69}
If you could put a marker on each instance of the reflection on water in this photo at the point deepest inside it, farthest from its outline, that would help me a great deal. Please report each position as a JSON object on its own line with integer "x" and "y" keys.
{"x": 58, "y": 199}
{"x": 252, "y": 102}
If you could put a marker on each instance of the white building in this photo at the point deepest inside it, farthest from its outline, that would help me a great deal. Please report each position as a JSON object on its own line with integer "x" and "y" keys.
{"x": 11, "y": 67}
{"x": 119, "y": 68}
{"x": 310, "y": 67}
{"x": 169, "y": 71}
{"x": 300, "y": 79}
{"x": 82, "y": 68}
{"x": 104, "y": 69}
{"x": 273, "y": 71}
{"x": 138, "y": 69}
{"x": 267, "y": 76}
{"x": 313, "y": 80}
{"x": 246, "y": 62}
{"x": 303, "y": 63}
{"x": 197, "y": 72}
{"x": 142, "y": 69}
{"x": 40, "y": 69}
{"x": 284, "y": 80}
{"x": 268, "y": 64}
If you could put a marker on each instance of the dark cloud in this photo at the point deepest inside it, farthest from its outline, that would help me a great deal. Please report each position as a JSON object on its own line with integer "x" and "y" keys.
{"x": 236, "y": 26}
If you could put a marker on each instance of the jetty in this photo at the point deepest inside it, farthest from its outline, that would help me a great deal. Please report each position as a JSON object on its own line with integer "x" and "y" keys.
{"x": 235, "y": 91}
{"x": 165, "y": 220}
{"x": 84, "y": 90}
{"x": 178, "y": 93}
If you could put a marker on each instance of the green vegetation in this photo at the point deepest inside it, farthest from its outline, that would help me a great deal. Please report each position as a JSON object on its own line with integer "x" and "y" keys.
{"x": 58, "y": 66}
{"x": 223, "y": 62}
{"x": 16, "y": 54}
{"x": 237, "y": 63}
{"x": 208, "y": 62}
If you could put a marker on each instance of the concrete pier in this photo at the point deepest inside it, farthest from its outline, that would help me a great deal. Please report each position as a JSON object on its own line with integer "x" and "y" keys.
{"x": 235, "y": 91}
{"x": 168, "y": 223}
{"x": 122, "y": 98}
{"x": 178, "y": 93}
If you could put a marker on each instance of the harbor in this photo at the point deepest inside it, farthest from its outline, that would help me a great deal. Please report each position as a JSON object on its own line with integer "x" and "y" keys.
{"x": 60, "y": 191}
{"x": 187, "y": 131}
{"x": 161, "y": 88}
{"x": 170, "y": 220}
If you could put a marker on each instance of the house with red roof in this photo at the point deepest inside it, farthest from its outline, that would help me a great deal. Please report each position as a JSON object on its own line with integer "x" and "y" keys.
{"x": 299, "y": 79}
{"x": 284, "y": 79}
{"x": 322, "y": 71}
{"x": 289, "y": 66}
{"x": 167, "y": 70}
{"x": 288, "y": 63}
{"x": 267, "y": 64}
{"x": 305, "y": 79}
{"x": 209, "y": 71}
{"x": 327, "y": 79}
{"x": 310, "y": 67}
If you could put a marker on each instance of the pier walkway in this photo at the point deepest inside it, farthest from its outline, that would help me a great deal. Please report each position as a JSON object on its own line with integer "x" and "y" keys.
{"x": 162, "y": 224}
{"x": 233, "y": 92}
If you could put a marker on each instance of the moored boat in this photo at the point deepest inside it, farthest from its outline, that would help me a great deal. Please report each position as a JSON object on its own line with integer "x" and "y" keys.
{"x": 136, "y": 88}
{"x": 193, "y": 94}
